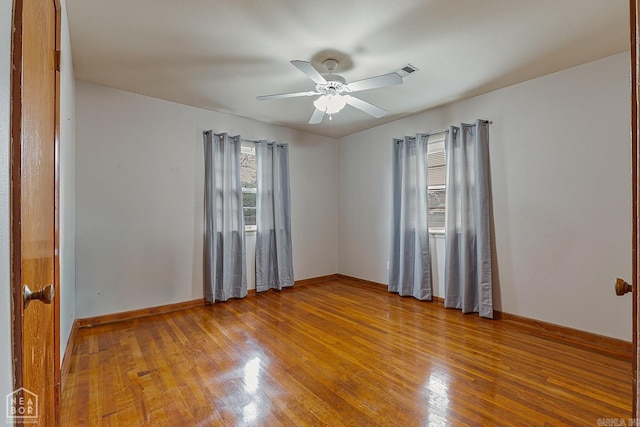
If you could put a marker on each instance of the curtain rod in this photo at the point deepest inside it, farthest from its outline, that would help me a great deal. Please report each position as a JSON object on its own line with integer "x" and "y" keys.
{"x": 279, "y": 144}
{"x": 447, "y": 130}
{"x": 241, "y": 139}
{"x": 247, "y": 140}
{"x": 437, "y": 133}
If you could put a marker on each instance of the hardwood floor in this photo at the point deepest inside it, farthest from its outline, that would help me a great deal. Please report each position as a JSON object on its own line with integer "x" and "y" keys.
{"x": 338, "y": 353}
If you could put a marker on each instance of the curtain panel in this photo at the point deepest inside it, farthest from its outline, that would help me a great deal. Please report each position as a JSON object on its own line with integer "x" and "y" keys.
{"x": 225, "y": 273}
{"x": 274, "y": 261}
{"x": 410, "y": 258}
{"x": 468, "y": 275}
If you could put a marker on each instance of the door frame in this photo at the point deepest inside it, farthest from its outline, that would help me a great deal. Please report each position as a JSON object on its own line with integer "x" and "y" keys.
{"x": 15, "y": 191}
{"x": 634, "y": 6}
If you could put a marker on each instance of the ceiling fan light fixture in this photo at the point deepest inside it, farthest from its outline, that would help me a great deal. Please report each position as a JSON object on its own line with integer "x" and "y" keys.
{"x": 330, "y": 104}
{"x": 332, "y": 87}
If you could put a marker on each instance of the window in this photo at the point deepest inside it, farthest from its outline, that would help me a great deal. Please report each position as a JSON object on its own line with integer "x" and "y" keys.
{"x": 248, "y": 179}
{"x": 437, "y": 184}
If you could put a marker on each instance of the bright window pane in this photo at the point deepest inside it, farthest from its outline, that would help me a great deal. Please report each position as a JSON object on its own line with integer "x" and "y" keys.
{"x": 249, "y": 200}
{"x": 249, "y": 216}
{"x": 248, "y": 167}
{"x": 437, "y": 184}
{"x": 437, "y": 209}
{"x": 248, "y": 178}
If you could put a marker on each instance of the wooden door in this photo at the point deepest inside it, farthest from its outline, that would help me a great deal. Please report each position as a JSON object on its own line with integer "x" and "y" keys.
{"x": 34, "y": 195}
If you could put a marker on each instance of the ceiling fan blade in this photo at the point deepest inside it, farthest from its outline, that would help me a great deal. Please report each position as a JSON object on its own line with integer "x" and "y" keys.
{"x": 311, "y": 72}
{"x": 365, "y": 106}
{"x": 375, "y": 82}
{"x": 316, "y": 117}
{"x": 286, "y": 95}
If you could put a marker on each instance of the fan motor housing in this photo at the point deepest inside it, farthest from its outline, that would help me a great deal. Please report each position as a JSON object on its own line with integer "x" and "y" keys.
{"x": 334, "y": 81}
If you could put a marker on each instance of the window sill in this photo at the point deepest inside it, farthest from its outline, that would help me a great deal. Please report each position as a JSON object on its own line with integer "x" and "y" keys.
{"x": 436, "y": 231}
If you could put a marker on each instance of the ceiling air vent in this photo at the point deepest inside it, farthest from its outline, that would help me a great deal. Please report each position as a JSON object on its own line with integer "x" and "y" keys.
{"x": 405, "y": 70}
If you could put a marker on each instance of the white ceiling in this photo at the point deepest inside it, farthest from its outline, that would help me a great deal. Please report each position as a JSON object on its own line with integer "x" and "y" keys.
{"x": 221, "y": 54}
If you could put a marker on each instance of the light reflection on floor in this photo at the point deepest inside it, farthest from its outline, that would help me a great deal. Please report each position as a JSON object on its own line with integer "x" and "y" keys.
{"x": 250, "y": 413}
{"x": 437, "y": 387}
{"x": 252, "y": 375}
{"x": 251, "y": 379}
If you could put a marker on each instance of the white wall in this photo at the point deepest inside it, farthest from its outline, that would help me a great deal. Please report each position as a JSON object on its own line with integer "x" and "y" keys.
{"x": 561, "y": 178}
{"x": 67, "y": 291}
{"x": 139, "y": 204}
{"x": 6, "y": 372}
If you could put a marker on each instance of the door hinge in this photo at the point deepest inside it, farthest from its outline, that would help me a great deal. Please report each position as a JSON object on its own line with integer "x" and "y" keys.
{"x": 57, "y": 60}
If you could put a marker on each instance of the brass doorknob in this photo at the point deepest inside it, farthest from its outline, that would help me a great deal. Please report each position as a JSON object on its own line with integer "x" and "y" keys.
{"x": 622, "y": 287}
{"x": 45, "y": 295}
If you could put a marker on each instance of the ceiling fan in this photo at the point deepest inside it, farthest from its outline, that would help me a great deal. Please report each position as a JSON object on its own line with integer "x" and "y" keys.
{"x": 334, "y": 90}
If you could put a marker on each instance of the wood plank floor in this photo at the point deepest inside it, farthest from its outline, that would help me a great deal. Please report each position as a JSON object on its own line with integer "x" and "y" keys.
{"x": 337, "y": 353}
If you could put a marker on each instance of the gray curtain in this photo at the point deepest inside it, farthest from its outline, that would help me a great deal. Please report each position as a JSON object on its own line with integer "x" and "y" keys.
{"x": 467, "y": 273}
{"x": 274, "y": 262}
{"x": 225, "y": 274}
{"x": 410, "y": 261}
